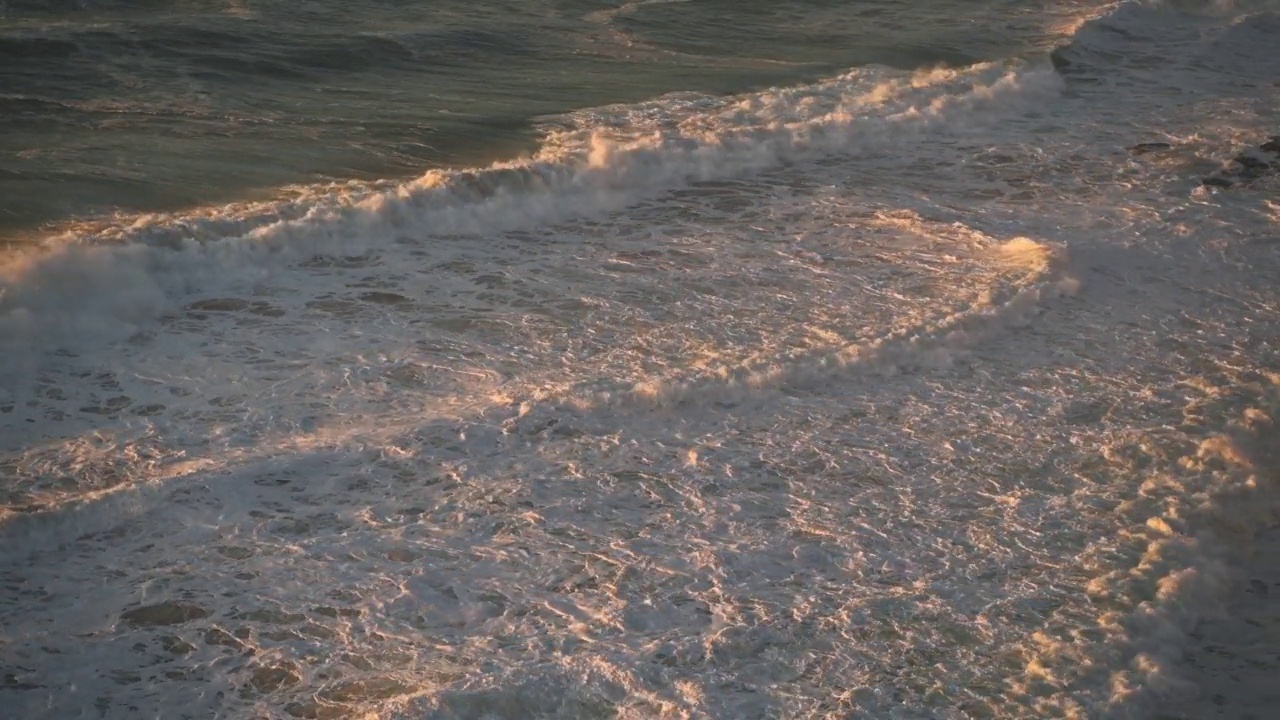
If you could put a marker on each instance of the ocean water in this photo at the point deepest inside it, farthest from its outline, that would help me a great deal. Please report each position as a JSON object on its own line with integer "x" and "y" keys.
{"x": 125, "y": 107}
{"x": 665, "y": 359}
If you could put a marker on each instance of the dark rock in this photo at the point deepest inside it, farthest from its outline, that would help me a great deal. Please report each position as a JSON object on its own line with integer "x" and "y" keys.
{"x": 1060, "y": 61}
{"x": 167, "y": 613}
{"x": 1219, "y": 182}
{"x": 149, "y": 410}
{"x": 269, "y": 679}
{"x": 1149, "y": 147}
{"x": 218, "y": 305}
{"x": 1250, "y": 162}
{"x": 276, "y": 617}
{"x": 1250, "y": 165}
{"x": 385, "y": 298}
{"x": 308, "y": 711}
{"x": 111, "y": 405}
{"x": 363, "y": 690}
{"x": 12, "y": 682}
{"x": 176, "y": 645}
{"x": 235, "y": 552}
{"x": 218, "y": 636}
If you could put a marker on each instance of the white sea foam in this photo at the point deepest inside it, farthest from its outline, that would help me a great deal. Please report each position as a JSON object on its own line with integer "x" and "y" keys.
{"x": 890, "y": 396}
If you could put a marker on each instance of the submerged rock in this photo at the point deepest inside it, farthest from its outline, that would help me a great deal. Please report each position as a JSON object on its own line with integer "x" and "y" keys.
{"x": 1252, "y": 164}
{"x": 1060, "y": 61}
{"x": 1251, "y": 161}
{"x": 167, "y": 613}
{"x": 1149, "y": 147}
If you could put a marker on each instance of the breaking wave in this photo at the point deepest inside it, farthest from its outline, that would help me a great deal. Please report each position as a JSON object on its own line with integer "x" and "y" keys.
{"x": 109, "y": 283}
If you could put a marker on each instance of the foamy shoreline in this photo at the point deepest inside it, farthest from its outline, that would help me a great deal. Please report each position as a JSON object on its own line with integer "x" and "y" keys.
{"x": 1091, "y": 394}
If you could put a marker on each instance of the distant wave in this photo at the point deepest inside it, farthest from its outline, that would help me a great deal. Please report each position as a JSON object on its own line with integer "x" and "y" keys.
{"x": 71, "y": 55}
{"x": 1158, "y": 38}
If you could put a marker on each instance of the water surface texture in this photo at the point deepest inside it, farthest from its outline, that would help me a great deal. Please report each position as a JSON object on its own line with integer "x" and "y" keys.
{"x": 663, "y": 360}
{"x": 111, "y": 107}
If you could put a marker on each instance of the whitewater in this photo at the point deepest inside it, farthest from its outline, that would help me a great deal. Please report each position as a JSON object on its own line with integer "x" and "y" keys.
{"x": 897, "y": 394}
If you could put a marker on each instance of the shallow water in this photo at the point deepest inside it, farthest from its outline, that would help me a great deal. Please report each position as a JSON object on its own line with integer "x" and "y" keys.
{"x": 896, "y": 393}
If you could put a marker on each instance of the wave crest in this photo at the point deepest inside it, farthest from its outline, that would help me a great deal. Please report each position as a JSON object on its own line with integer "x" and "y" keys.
{"x": 104, "y": 284}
